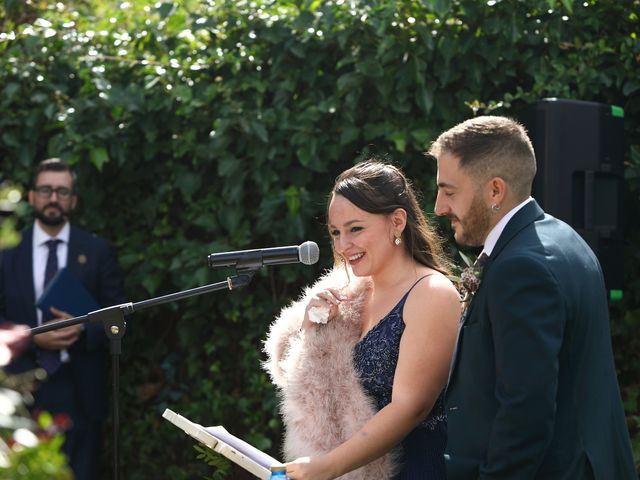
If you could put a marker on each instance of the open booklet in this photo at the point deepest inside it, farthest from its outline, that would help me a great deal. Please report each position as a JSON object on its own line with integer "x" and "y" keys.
{"x": 218, "y": 439}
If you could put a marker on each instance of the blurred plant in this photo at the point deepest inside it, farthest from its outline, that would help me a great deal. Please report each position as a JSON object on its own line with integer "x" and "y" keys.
{"x": 10, "y": 198}
{"x": 29, "y": 445}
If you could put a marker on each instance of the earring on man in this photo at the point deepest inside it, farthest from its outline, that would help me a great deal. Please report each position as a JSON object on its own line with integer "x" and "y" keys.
{"x": 495, "y": 207}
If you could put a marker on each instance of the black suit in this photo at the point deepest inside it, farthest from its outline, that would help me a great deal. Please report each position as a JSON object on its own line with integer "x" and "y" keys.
{"x": 533, "y": 392}
{"x": 78, "y": 388}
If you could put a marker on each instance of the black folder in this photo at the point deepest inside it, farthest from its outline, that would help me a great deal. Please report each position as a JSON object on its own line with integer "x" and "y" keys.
{"x": 67, "y": 293}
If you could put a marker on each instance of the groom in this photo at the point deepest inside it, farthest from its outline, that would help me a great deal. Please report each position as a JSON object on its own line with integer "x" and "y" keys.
{"x": 532, "y": 392}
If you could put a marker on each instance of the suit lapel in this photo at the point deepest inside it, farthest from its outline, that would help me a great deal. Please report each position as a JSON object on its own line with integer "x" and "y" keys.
{"x": 76, "y": 255}
{"x": 525, "y": 216}
{"x": 23, "y": 269}
{"x": 72, "y": 252}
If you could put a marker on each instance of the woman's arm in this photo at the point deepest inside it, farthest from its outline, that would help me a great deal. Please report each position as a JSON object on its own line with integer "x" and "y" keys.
{"x": 431, "y": 315}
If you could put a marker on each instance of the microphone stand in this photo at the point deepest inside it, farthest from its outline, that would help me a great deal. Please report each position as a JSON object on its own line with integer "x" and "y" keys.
{"x": 112, "y": 319}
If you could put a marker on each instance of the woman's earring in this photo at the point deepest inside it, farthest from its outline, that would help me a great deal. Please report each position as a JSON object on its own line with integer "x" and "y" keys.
{"x": 397, "y": 241}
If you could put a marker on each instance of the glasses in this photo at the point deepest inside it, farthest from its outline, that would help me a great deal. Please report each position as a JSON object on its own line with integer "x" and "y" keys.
{"x": 46, "y": 191}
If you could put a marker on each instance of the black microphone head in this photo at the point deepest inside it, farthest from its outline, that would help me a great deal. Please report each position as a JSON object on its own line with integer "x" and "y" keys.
{"x": 309, "y": 253}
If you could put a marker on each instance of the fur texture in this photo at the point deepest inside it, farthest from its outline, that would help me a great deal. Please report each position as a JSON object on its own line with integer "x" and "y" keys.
{"x": 323, "y": 403}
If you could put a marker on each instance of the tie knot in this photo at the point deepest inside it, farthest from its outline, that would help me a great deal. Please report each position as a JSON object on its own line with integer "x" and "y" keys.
{"x": 481, "y": 260}
{"x": 52, "y": 244}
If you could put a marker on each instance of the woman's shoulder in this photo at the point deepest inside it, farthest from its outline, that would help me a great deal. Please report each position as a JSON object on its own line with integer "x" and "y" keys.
{"x": 433, "y": 292}
{"x": 430, "y": 280}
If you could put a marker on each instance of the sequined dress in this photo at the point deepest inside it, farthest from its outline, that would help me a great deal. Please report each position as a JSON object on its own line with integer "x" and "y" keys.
{"x": 375, "y": 359}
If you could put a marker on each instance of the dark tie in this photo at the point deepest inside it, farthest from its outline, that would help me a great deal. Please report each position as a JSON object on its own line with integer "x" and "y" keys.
{"x": 50, "y": 359}
{"x": 481, "y": 260}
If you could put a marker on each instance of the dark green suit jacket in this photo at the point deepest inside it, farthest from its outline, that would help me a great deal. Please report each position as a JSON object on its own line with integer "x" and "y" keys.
{"x": 533, "y": 392}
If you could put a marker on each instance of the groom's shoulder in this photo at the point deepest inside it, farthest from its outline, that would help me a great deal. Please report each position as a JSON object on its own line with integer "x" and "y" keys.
{"x": 557, "y": 234}
{"x": 551, "y": 244}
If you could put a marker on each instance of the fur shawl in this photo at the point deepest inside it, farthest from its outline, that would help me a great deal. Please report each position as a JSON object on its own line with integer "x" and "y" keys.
{"x": 322, "y": 401}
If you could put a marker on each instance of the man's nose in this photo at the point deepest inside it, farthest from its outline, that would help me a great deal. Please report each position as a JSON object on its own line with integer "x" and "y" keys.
{"x": 440, "y": 208}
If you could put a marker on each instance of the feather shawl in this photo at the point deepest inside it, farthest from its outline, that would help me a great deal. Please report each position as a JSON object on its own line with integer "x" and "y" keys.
{"x": 323, "y": 403}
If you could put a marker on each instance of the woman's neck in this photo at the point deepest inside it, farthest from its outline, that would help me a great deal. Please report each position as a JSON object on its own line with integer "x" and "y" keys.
{"x": 399, "y": 270}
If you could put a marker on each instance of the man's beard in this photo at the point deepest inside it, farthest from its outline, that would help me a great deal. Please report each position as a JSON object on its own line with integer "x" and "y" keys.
{"x": 476, "y": 224}
{"x": 52, "y": 220}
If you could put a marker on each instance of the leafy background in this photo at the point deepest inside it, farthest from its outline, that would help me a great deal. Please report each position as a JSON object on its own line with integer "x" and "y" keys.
{"x": 202, "y": 126}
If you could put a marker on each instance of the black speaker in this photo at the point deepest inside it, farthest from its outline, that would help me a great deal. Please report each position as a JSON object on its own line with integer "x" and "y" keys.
{"x": 579, "y": 150}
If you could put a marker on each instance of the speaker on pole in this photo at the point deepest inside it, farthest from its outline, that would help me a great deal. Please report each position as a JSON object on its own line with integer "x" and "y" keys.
{"x": 579, "y": 150}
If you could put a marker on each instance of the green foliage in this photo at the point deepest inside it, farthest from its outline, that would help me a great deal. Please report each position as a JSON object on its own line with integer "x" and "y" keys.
{"x": 221, "y": 465}
{"x": 29, "y": 450}
{"x": 44, "y": 461}
{"x": 208, "y": 126}
{"x": 10, "y": 197}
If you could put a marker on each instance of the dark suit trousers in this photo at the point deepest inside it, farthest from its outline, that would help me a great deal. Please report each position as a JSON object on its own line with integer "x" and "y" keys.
{"x": 82, "y": 444}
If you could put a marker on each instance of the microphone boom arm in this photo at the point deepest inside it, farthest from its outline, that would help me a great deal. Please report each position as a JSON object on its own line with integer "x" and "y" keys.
{"x": 128, "y": 308}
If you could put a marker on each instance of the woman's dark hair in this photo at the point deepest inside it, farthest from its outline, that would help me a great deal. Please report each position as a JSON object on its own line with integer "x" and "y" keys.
{"x": 381, "y": 188}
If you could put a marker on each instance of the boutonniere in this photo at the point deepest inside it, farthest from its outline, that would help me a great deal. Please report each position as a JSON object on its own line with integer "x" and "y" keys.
{"x": 468, "y": 279}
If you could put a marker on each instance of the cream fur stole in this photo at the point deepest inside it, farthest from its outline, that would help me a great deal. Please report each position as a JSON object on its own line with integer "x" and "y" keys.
{"x": 322, "y": 401}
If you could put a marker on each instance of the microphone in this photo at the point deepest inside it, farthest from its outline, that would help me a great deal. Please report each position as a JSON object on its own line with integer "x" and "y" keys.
{"x": 307, "y": 253}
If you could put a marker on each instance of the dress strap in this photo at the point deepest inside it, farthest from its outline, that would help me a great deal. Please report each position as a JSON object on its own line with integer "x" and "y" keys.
{"x": 404, "y": 298}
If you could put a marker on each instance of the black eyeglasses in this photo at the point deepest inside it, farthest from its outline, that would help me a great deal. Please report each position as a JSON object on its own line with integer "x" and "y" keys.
{"x": 46, "y": 191}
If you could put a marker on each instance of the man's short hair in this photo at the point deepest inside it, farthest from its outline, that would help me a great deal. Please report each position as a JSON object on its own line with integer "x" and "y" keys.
{"x": 53, "y": 165}
{"x": 492, "y": 146}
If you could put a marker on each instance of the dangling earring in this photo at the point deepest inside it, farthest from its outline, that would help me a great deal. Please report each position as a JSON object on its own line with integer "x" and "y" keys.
{"x": 397, "y": 241}
{"x": 495, "y": 207}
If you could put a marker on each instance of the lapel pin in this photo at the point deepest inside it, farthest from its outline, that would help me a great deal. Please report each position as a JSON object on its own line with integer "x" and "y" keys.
{"x": 82, "y": 259}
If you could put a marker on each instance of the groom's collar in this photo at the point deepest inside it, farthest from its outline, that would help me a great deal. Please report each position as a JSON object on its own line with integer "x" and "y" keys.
{"x": 528, "y": 214}
{"x": 496, "y": 231}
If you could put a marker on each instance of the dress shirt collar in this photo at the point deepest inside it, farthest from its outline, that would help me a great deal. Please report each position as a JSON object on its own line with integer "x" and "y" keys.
{"x": 40, "y": 236}
{"x": 499, "y": 227}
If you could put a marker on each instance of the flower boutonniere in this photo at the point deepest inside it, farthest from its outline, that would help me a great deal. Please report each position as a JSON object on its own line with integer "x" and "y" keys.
{"x": 468, "y": 280}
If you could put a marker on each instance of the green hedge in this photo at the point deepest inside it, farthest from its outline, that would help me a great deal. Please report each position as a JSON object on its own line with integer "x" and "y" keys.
{"x": 216, "y": 125}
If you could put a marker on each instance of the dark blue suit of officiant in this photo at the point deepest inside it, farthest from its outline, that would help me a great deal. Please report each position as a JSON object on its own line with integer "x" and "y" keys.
{"x": 533, "y": 392}
{"x": 79, "y": 387}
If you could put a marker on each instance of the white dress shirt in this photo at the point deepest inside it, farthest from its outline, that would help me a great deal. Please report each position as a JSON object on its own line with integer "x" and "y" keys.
{"x": 40, "y": 254}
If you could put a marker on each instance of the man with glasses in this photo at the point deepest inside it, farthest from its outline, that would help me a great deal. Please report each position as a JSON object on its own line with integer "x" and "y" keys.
{"x": 73, "y": 357}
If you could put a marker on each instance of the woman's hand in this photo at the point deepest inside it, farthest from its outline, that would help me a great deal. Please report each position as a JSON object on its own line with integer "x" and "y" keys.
{"x": 324, "y": 302}
{"x": 310, "y": 468}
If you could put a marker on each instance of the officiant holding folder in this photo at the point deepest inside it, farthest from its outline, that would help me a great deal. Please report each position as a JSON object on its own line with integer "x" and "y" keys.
{"x": 74, "y": 357}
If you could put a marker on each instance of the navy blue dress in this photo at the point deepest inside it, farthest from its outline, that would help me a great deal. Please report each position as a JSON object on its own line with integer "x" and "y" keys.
{"x": 375, "y": 358}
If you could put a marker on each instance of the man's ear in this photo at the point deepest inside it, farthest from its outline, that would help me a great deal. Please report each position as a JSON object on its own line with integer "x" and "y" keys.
{"x": 497, "y": 191}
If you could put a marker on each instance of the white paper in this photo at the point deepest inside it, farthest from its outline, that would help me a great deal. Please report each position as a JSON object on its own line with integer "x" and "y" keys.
{"x": 243, "y": 447}
{"x": 220, "y": 440}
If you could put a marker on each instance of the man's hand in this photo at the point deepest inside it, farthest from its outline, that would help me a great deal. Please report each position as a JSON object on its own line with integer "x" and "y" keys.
{"x": 61, "y": 338}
